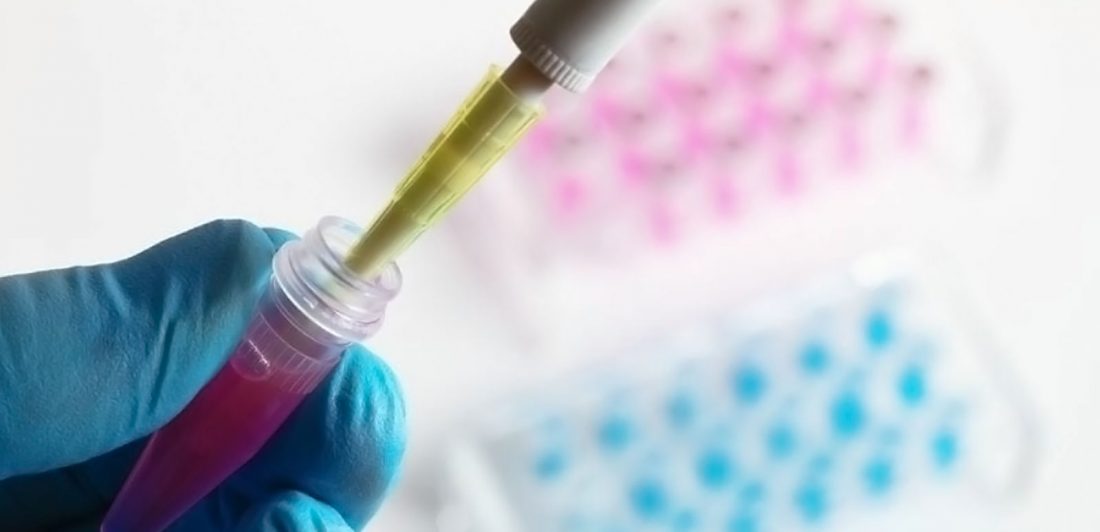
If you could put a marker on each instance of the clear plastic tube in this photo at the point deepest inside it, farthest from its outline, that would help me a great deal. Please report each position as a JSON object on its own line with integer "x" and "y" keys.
{"x": 317, "y": 304}
{"x": 313, "y": 309}
{"x": 487, "y": 125}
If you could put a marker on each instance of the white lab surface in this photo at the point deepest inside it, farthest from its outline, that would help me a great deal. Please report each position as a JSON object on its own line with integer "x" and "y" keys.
{"x": 125, "y": 122}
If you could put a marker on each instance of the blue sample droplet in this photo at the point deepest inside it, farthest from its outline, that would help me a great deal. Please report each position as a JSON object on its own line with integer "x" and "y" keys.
{"x": 912, "y": 385}
{"x": 878, "y": 476}
{"x": 749, "y": 384}
{"x": 812, "y": 502}
{"x": 945, "y": 449}
{"x": 743, "y": 523}
{"x": 879, "y": 329}
{"x": 550, "y": 465}
{"x": 715, "y": 469}
{"x": 649, "y": 499}
{"x": 615, "y": 433}
{"x": 848, "y": 415}
{"x": 681, "y": 410}
{"x": 781, "y": 441}
{"x": 814, "y": 358}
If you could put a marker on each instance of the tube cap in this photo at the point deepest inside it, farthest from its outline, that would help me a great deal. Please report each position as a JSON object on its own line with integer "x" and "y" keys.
{"x": 570, "y": 41}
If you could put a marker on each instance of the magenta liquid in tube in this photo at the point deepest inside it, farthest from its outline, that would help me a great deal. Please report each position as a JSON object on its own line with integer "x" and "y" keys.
{"x": 313, "y": 309}
{"x": 316, "y": 306}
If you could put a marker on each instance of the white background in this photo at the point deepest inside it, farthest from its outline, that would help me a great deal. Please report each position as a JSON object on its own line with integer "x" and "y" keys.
{"x": 124, "y": 122}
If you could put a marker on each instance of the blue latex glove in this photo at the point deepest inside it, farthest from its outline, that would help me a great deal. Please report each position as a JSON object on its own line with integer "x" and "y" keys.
{"x": 94, "y": 359}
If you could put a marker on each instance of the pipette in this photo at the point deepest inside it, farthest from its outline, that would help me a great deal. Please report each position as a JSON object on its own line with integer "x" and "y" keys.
{"x": 564, "y": 42}
{"x": 331, "y": 288}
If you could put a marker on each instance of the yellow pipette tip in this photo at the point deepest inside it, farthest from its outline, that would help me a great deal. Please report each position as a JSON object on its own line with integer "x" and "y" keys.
{"x": 487, "y": 125}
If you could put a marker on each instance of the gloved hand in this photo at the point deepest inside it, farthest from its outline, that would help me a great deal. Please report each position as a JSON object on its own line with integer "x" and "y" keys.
{"x": 94, "y": 359}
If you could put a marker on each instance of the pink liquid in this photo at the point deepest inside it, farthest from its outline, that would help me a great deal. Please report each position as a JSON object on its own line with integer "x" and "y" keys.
{"x": 269, "y": 373}
{"x": 570, "y": 197}
{"x": 788, "y": 176}
{"x": 804, "y": 93}
{"x": 725, "y": 197}
{"x": 912, "y": 113}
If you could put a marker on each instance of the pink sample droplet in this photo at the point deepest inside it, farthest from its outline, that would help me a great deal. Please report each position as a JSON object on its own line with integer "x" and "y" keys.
{"x": 879, "y": 64}
{"x": 823, "y": 51}
{"x": 757, "y": 119}
{"x": 696, "y": 141}
{"x": 788, "y": 174}
{"x": 761, "y": 73}
{"x": 913, "y": 106}
{"x": 662, "y": 223}
{"x": 725, "y": 197}
{"x": 732, "y": 65}
{"x": 569, "y": 197}
{"x": 634, "y": 168}
{"x": 850, "y": 147}
{"x": 790, "y": 42}
{"x": 731, "y": 19}
{"x": 670, "y": 88}
{"x": 791, "y": 38}
{"x": 819, "y": 93}
{"x": 668, "y": 48}
{"x": 877, "y": 68}
{"x": 700, "y": 96}
{"x": 632, "y": 120}
{"x": 539, "y": 143}
{"x": 850, "y": 17}
{"x": 733, "y": 144}
{"x": 911, "y": 125}
{"x": 605, "y": 111}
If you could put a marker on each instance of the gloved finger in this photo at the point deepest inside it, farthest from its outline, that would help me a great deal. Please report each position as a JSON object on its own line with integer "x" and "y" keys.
{"x": 343, "y": 446}
{"x": 94, "y": 357}
{"x": 69, "y": 499}
{"x": 53, "y": 500}
{"x": 292, "y": 510}
{"x": 283, "y": 511}
{"x": 279, "y": 236}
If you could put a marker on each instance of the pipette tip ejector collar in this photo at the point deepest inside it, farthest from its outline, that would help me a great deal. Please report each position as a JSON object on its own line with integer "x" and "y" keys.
{"x": 570, "y": 41}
